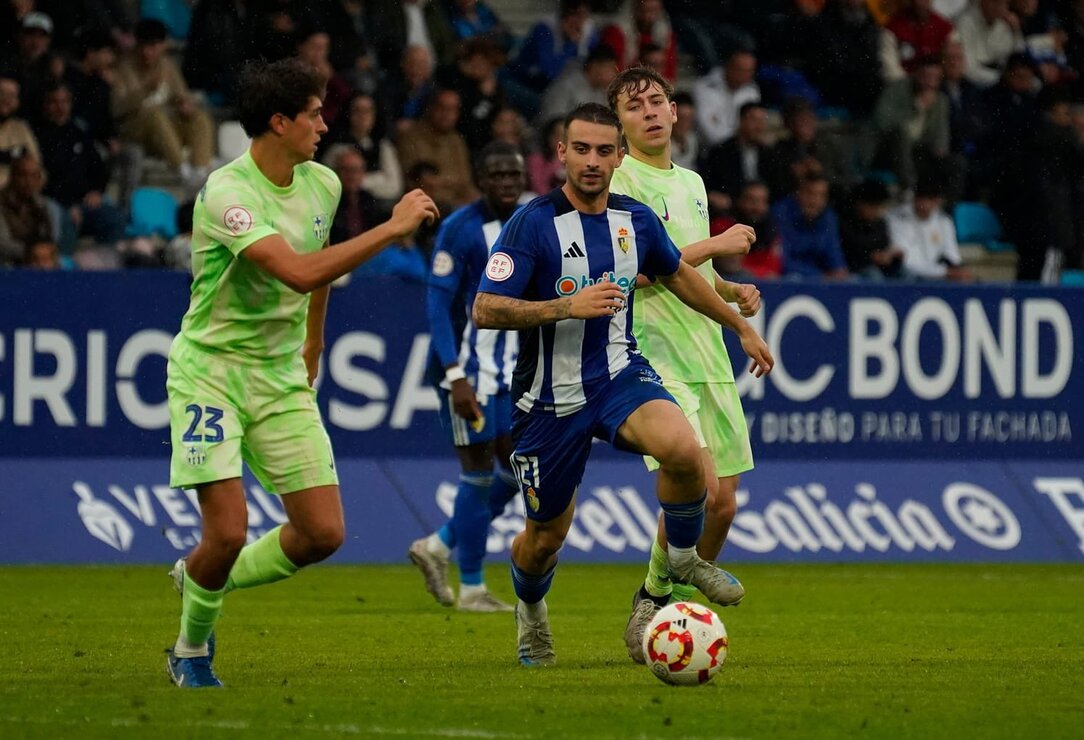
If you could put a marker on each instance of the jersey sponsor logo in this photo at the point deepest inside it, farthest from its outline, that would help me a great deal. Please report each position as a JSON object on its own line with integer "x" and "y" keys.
{"x": 443, "y": 264}
{"x": 567, "y": 285}
{"x": 321, "y": 225}
{"x": 623, "y": 239}
{"x": 237, "y": 219}
{"x": 574, "y": 251}
{"x": 500, "y": 267}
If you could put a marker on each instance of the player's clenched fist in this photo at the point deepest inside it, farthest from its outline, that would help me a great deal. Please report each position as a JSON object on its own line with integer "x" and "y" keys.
{"x": 747, "y": 296}
{"x": 411, "y": 210}
{"x": 603, "y": 298}
{"x": 758, "y": 352}
{"x": 735, "y": 240}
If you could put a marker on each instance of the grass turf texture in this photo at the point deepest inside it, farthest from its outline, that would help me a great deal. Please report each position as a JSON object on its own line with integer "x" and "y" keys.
{"x": 819, "y": 651}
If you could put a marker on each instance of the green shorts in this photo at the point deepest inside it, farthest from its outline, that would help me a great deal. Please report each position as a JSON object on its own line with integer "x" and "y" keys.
{"x": 222, "y": 411}
{"x": 715, "y": 412}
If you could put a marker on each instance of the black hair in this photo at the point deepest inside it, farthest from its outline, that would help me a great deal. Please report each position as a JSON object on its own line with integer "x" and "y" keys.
{"x": 494, "y": 149}
{"x": 150, "y": 31}
{"x": 600, "y": 53}
{"x": 592, "y": 113}
{"x": 566, "y": 8}
{"x": 682, "y": 98}
{"x": 91, "y": 41}
{"x": 930, "y": 186}
{"x": 873, "y": 192}
{"x": 635, "y": 80}
{"x": 285, "y": 87}
{"x": 751, "y": 105}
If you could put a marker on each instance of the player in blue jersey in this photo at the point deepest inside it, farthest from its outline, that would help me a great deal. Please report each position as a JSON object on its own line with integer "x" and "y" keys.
{"x": 473, "y": 372}
{"x": 563, "y": 272}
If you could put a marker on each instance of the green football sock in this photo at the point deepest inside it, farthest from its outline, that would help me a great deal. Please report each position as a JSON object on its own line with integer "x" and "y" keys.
{"x": 658, "y": 582}
{"x": 199, "y": 612}
{"x": 684, "y": 592}
{"x": 261, "y": 562}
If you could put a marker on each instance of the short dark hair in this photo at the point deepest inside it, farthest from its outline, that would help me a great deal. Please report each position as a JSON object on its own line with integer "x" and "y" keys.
{"x": 150, "y": 31}
{"x": 92, "y": 41}
{"x": 682, "y": 98}
{"x": 873, "y": 192}
{"x": 494, "y": 149}
{"x": 601, "y": 53}
{"x": 566, "y": 8}
{"x": 285, "y": 87}
{"x": 930, "y": 185}
{"x": 751, "y": 105}
{"x": 592, "y": 113}
{"x": 635, "y": 80}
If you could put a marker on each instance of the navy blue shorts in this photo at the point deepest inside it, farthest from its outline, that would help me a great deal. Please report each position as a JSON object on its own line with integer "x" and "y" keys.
{"x": 551, "y": 451}
{"x": 496, "y": 420}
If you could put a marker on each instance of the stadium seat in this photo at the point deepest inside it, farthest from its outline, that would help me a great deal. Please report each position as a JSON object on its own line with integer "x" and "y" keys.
{"x": 232, "y": 141}
{"x": 153, "y": 211}
{"x": 975, "y": 222}
{"x": 1074, "y": 278}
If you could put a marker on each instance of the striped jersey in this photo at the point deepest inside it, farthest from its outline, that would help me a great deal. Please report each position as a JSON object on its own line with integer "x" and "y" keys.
{"x": 487, "y": 356}
{"x": 549, "y": 250}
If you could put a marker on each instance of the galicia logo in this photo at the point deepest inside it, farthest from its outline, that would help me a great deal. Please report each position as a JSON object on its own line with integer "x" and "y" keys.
{"x": 567, "y": 285}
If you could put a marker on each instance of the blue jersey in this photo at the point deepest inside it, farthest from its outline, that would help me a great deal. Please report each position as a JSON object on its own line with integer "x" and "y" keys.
{"x": 549, "y": 250}
{"x": 487, "y": 356}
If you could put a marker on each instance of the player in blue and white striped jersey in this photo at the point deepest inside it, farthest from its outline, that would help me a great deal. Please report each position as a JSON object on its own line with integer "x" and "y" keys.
{"x": 472, "y": 370}
{"x": 564, "y": 271}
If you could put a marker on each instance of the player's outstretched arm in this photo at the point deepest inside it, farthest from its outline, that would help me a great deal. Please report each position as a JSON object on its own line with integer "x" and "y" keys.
{"x": 305, "y": 273}
{"x": 695, "y": 293}
{"x": 736, "y": 240}
{"x": 492, "y": 311}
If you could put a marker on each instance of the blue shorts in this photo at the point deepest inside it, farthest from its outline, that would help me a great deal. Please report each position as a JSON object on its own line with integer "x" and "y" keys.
{"x": 496, "y": 415}
{"x": 551, "y": 451}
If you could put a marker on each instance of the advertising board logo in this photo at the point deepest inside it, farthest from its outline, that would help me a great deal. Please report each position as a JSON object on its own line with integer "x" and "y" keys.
{"x": 102, "y": 521}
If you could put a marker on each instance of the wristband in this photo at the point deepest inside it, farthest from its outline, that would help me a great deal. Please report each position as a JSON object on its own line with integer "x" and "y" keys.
{"x": 454, "y": 373}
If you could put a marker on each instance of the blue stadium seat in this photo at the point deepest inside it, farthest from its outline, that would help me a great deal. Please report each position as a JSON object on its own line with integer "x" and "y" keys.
{"x": 975, "y": 222}
{"x": 1073, "y": 277}
{"x": 153, "y": 211}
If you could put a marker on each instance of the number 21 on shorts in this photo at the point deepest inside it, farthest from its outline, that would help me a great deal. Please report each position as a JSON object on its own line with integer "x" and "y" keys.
{"x": 212, "y": 430}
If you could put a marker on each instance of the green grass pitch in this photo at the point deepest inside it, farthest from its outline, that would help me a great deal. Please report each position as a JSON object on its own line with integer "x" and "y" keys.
{"x": 919, "y": 651}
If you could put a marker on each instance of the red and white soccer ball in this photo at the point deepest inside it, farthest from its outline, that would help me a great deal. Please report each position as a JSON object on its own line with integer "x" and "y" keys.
{"x": 685, "y": 644}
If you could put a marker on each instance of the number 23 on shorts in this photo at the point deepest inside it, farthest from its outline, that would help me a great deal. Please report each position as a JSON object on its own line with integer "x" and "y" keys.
{"x": 212, "y": 430}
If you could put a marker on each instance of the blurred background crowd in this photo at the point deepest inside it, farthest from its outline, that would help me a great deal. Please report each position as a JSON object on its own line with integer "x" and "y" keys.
{"x": 863, "y": 139}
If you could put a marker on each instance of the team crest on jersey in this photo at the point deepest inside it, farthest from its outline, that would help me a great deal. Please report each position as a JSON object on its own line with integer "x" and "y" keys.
{"x": 532, "y": 499}
{"x": 196, "y": 456}
{"x": 623, "y": 239}
{"x": 701, "y": 209}
{"x": 321, "y": 225}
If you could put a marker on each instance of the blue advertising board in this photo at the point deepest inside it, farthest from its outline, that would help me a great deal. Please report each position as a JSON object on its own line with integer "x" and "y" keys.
{"x": 862, "y": 371}
{"x": 902, "y": 422}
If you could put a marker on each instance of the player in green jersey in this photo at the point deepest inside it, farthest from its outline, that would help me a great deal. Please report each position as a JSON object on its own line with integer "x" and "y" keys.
{"x": 687, "y": 350}
{"x": 240, "y": 372}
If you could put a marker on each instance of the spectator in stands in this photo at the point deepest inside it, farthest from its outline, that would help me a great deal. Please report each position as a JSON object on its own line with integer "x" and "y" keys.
{"x": 920, "y": 32}
{"x": 472, "y": 18}
{"x": 989, "y": 32}
{"x": 554, "y": 42}
{"x": 965, "y": 102}
{"x": 508, "y": 126}
{"x": 684, "y": 141}
{"x": 544, "y": 170}
{"x": 927, "y": 236}
{"x": 641, "y": 23}
{"x": 220, "y": 39}
{"x": 77, "y": 18}
{"x": 426, "y": 176}
{"x": 77, "y": 173}
{"x": 474, "y": 77}
{"x": 435, "y": 139}
{"x": 846, "y": 56}
{"x": 16, "y": 137}
{"x": 753, "y": 208}
{"x": 364, "y": 130}
{"x": 412, "y": 89}
{"x": 398, "y": 24}
{"x": 809, "y": 231}
{"x": 26, "y": 214}
{"x": 1011, "y": 116}
{"x": 176, "y": 15}
{"x": 358, "y": 210}
{"x": 720, "y": 95}
{"x": 581, "y": 84}
{"x": 178, "y": 253}
{"x": 42, "y": 255}
{"x": 863, "y": 232}
{"x": 314, "y": 48}
{"x": 34, "y": 65}
{"x": 744, "y": 157}
{"x": 157, "y": 110}
{"x": 351, "y": 31}
{"x": 912, "y": 124}
{"x": 711, "y": 30}
{"x": 807, "y": 150}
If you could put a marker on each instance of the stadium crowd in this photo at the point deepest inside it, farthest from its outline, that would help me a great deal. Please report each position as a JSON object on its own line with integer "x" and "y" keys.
{"x": 856, "y": 136}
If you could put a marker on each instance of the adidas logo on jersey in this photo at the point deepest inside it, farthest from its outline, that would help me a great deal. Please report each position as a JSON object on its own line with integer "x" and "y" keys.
{"x": 574, "y": 251}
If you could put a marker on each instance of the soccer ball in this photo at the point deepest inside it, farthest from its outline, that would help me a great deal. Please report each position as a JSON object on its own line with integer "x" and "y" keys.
{"x": 685, "y": 644}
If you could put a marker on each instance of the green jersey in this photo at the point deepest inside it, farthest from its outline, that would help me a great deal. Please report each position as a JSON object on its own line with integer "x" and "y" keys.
{"x": 680, "y": 343}
{"x": 237, "y": 308}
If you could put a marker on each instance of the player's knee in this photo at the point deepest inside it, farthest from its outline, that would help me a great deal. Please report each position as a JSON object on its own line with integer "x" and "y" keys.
{"x": 227, "y": 544}
{"x": 322, "y": 541}
{"x": 722, "y": 508}
{"x": 546, "y": 542}
{"x": 681, "y": 459}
